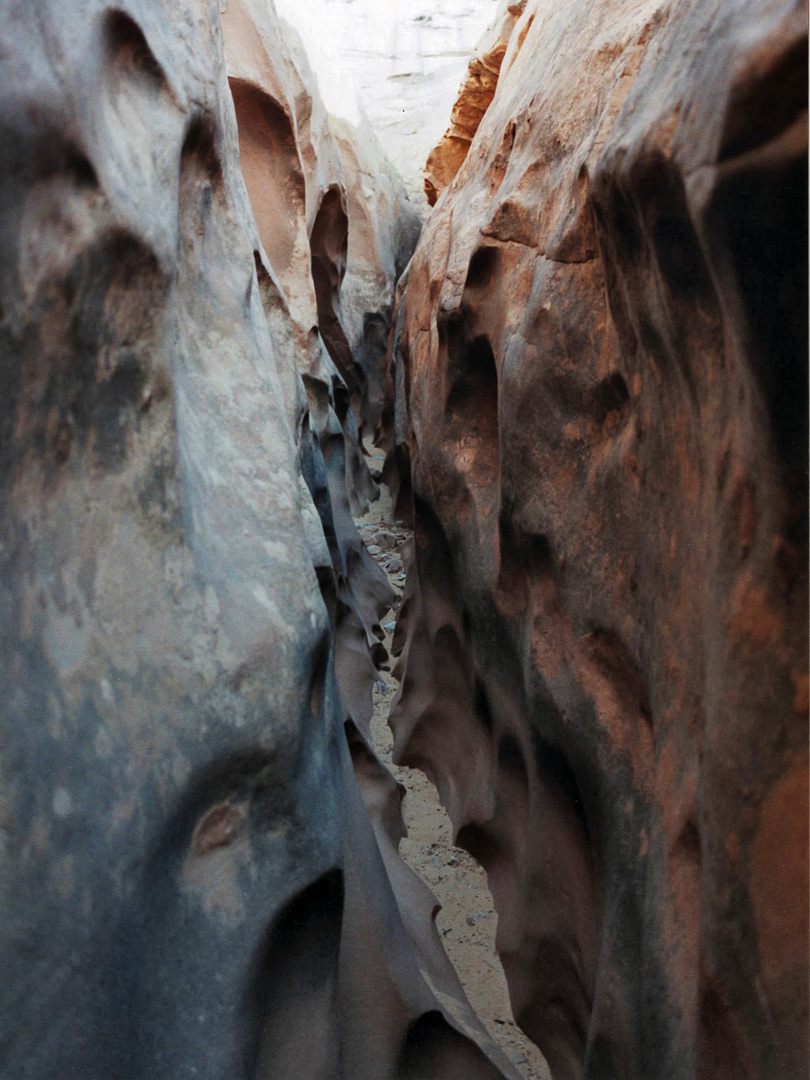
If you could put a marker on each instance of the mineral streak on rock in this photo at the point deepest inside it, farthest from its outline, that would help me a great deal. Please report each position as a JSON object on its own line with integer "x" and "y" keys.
{"x": 600, "y": 377}
{"x": 197, "y": 848}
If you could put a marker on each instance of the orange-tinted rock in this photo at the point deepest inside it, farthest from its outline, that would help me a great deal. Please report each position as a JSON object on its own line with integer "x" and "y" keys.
{"x": 475, "y": 95}
{"x": 601, "y": 384}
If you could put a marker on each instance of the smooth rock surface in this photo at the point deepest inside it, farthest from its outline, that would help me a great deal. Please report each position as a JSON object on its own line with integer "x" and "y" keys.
{"x": 199, "y": 873}
{"x": 600, "y": 380}
{"x": 160, "y": 606}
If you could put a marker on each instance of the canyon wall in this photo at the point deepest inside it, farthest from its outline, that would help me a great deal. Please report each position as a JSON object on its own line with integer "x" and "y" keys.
{"x": 600, "y": 377}
{"x": 474, "y": 98}
{"x": 199, "y": 873}
{"x": 399, "y": 63}
{"x": 594, "y": 399}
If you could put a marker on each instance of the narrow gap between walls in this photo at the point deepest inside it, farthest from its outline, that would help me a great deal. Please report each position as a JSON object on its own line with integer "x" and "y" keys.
{"x": 467, "y": 922}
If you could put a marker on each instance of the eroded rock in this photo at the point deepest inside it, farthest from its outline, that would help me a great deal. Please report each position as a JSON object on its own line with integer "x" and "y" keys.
{"x": 383, "y": 230}
{"x": 304, "y": 189}
{"x": 474, "y": 98}
{"x": 601, "y": 380}
{"x": 198, "y": 849}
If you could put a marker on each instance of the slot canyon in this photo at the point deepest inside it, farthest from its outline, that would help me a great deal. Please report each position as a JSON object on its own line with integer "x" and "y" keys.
{"x": 339, "y": 459}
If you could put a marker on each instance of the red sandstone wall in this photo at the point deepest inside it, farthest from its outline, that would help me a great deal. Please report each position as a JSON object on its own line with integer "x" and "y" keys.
{"x": 601, "y": 383}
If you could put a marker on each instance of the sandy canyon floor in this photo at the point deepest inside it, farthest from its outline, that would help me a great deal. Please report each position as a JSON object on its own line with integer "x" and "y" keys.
{"x": 467, "y": 921}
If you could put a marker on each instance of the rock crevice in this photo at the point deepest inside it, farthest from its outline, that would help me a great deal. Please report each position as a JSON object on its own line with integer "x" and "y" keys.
{"x": 589, "y": 378}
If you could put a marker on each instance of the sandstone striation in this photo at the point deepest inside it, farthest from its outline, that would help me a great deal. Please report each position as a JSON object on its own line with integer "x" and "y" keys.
{"x": 600, "y": 376}
{"x": 198, "y": 850}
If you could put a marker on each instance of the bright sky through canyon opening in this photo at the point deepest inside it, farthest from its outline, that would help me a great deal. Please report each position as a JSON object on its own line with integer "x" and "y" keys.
{"x": 398, "y": 61}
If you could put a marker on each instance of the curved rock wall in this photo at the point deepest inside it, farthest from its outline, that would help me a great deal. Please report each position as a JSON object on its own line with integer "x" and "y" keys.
{"x": 601, "y": 383}
{"x": 198, "y": 866}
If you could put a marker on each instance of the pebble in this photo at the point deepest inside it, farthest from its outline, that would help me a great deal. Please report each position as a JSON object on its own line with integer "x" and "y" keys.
{"x": 373, "y": 549}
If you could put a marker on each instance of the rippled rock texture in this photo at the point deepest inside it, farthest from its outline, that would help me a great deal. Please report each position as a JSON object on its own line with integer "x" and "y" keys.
{"x": 197, "y": 849}
{"x": 601, "y": 378}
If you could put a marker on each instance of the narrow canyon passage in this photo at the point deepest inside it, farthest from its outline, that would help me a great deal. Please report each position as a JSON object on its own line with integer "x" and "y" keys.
{"x": 379, "y": 538}
{"x": 467, "y": 920}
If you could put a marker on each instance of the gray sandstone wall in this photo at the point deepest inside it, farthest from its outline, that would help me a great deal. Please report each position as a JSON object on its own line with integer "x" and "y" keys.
{"x": 198, "y": 856}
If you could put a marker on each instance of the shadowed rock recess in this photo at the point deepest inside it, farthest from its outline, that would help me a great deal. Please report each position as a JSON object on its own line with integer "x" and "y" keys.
{"x": 591, "y": 385}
